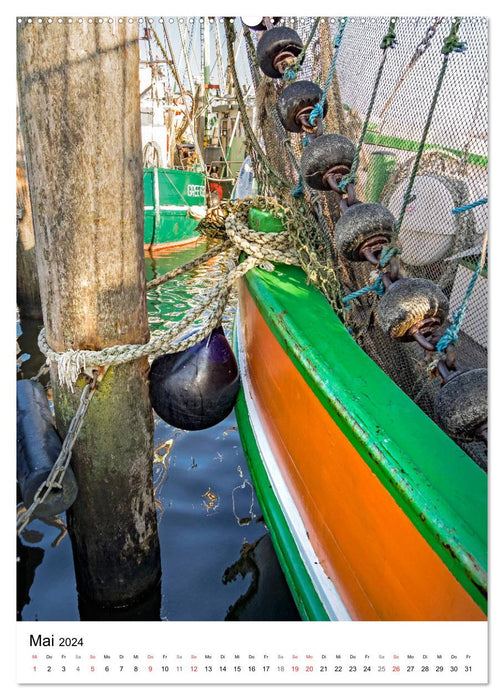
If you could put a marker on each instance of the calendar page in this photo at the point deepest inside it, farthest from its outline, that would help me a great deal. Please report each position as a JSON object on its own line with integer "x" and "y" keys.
{"x": 252, "y": 349}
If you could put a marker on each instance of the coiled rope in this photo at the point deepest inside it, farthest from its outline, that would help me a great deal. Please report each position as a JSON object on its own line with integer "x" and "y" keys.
{"x": 262, "y": 249}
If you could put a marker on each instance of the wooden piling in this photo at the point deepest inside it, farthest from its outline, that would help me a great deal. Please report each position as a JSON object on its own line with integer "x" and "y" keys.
{"x": 79, "y": 104}
{"x": 27, "y": 283}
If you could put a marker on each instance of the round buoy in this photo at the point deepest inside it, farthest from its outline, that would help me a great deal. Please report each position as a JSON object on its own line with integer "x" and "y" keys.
{"x": 360, "y": 223}
{"x": 196, "y": 388}
{"x": 275, "y": 46}
{"x": 298, "y": 99}
{"x": 461, "y": 405}
{"x": 409, "y": 303}
{"x": 323, "y": 154}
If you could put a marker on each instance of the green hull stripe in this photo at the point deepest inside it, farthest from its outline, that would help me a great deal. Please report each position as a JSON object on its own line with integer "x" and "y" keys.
{"x": 440, "y": 489}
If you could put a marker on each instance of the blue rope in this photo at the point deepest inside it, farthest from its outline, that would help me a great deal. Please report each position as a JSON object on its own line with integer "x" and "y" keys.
{"x": 387, "y": 255}
{"x": 289, "y": 75}
{"x": 450, "y": 336}
{"x": 378, "y": 288}
{"x": 345, "y": 181}
{"x": 466, "y": 207}
{"x": 318, "y": 110}
{"x": 299, "y": 189}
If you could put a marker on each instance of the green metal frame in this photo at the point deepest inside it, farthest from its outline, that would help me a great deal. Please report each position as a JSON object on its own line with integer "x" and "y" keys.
{"x": 372, "y": 137}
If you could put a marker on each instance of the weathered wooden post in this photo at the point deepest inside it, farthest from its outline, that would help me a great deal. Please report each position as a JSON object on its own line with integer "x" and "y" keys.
{"x": 79, "y": 104}
{"x": 27, "y": 283}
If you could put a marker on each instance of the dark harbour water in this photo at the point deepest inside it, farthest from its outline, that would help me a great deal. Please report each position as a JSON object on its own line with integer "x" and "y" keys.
{"x": 218, "y": 562}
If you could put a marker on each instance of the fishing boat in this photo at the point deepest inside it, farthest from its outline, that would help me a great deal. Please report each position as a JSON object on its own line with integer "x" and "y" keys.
{"x": 174, "y": 202}
{"x": 377, "y": 506}
{"x": 193, "y": 147}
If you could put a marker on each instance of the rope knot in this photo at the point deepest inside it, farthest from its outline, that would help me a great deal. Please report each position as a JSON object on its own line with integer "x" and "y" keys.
{"x": 289, "y": 75}
{"x": 386, "y": 255}
{"x": 389, "y": 41}
{"x": 299, "y": 189}
{"x": 453, "y": 45}
{"x": 317, "y": 111}
{"x": 348, "y": 180}
{"x": 452, "y": 42}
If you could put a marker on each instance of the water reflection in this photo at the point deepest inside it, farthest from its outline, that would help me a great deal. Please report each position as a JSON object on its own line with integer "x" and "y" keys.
{"x": 267, "y": 597}
{"x": 147, "y": 609}
{"x": 28, "y": 559}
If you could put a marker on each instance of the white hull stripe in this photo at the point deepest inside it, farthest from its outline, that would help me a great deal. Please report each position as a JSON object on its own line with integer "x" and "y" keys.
{"x": 326, "y": 591}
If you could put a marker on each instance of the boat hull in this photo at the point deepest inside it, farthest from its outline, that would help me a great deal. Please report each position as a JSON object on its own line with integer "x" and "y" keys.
{"x": 173, "y": 204}
{"x": 396, "y": 530}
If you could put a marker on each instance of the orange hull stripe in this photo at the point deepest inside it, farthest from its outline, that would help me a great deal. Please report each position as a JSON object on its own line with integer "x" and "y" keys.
{"x": 380, "y": 564}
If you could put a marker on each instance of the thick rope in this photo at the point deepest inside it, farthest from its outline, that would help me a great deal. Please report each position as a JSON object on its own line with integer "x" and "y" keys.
{"x": 388, "y": 42}
{"x": 318, "y": 110}
{"x": 204, "y": 257}
{"x": 450, "y": 336}
{"x": 263, "y": 249}
{"x": 451, "y": 44}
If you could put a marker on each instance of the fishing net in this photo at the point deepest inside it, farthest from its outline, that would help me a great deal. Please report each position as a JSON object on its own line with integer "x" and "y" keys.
{"x": 435, "y": 242}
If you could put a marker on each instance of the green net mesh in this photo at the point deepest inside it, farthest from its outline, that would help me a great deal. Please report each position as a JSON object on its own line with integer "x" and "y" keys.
{"x": 435, "y": 243}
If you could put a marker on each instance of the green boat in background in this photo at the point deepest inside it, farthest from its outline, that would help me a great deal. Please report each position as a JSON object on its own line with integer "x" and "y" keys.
{"x": 174, "y": 202}
{"x": 192, "y": 134}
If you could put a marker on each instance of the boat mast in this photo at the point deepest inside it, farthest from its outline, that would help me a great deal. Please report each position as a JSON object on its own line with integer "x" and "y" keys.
{"x": 171, "y": 63}
{"x": 206, "y": 77}
{"x": 186, "y": 59}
